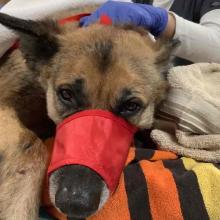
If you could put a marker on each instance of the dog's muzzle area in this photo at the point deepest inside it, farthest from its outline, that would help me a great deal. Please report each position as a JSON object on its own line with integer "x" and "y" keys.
{"x": 82, "y": 172}
{"x": 77, "y": 191}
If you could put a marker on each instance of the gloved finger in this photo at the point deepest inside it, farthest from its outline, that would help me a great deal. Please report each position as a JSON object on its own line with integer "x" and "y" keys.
{"x": 84, "y": 22}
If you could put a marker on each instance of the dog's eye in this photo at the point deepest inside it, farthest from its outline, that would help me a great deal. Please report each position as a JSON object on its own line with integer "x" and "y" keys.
{"x": 130, "y": 108}
{"x": 66, "y": 94}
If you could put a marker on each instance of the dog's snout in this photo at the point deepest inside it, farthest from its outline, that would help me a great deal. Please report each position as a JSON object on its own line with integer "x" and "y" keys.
{"x": 78, "y": 203}
{"x": 79, "y": 191}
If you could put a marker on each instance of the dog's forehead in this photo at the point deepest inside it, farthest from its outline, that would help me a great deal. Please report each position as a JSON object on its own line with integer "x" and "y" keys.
{"x": 100, "y": 51}
{"x": 102, "y": 70}
{"x": 104, "y": 40}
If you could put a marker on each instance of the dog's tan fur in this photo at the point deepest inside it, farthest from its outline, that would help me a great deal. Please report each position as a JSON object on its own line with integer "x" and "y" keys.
{"x": 23, "y": 155}
{"x": 22, "y": 167}
{"x": 135, "y": 63}
{"x": 3, "y": 2}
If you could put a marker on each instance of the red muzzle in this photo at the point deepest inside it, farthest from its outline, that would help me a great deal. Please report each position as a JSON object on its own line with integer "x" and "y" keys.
{"x": 96, "y": 139}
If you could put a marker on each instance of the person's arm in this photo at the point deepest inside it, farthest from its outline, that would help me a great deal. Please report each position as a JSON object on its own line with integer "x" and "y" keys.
{"x": 36, "y": 9}
{"x": 199, "y": 42}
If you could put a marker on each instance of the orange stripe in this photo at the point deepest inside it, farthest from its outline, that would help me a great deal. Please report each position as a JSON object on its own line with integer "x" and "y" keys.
{"x": 117, "y": 206}
{"x": 163, "y": 155}
{"x": 131, "y": 155}
{"x": 162, "y": 191}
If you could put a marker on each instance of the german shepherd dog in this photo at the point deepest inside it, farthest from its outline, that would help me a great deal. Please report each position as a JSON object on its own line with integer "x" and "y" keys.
{"x": 56, "y": 72}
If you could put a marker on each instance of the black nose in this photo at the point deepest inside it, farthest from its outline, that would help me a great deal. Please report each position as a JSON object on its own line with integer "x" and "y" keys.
{"x": 79, "y": 191}
{"x": 75, "y": 203}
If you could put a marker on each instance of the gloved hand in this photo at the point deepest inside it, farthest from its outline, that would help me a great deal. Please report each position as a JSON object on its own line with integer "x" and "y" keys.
{"x": 152, "y": 18}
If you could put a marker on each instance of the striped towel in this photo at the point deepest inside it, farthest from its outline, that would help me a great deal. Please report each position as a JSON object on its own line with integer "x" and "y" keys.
{"x": 189, "y": 118}
{"x": 193, "y": 102}
{"x": 160, "y": 186}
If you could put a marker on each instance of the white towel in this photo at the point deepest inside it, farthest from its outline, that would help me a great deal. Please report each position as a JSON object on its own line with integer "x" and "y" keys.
{"x": 193, "y": 101}
{"x": 189, "y": 118}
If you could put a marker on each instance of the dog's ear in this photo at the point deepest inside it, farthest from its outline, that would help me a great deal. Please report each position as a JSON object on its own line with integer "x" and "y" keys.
{"x": 164, "y": 53}
{"x": 38, "y": 41}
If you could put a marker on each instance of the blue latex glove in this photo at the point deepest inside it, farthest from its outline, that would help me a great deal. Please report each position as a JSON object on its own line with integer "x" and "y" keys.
{"x": 152, "y": 18}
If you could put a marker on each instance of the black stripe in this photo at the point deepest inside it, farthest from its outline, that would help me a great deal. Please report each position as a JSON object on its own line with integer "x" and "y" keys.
{"x": 217, "y": 165}
{"x": 143, "y": 154}
{"x": 136, "y": 189}
{"x": 142, "y": 139}
{"x": 191, "y": 199}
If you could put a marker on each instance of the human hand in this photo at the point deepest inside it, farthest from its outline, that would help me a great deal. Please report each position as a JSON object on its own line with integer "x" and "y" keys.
{"x": 152, "y": 18}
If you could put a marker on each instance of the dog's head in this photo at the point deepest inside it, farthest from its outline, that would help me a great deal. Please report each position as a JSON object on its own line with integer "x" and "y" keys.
{"x": 115, "y": 68}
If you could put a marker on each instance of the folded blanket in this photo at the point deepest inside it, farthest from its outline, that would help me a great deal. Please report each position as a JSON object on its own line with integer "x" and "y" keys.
{"x": 158, "y": 185}
{"x": 190, "y": 116}
{"x": 209, "y": 152}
